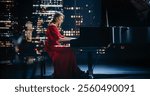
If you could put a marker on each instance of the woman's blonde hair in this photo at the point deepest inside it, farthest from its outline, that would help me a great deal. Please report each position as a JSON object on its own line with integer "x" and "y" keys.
{"x": 56, "y": 15}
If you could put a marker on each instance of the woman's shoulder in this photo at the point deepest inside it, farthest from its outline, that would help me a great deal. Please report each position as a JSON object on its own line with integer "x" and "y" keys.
{"x": 52, "y": 27}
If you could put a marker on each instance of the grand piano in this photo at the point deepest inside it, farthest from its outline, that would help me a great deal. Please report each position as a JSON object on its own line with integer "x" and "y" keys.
{"x": 121, "y": 26}
{"x": 91, "y": 39}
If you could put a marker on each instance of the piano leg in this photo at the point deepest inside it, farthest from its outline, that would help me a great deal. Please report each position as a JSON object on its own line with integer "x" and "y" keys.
{"x": 90, "y": 69}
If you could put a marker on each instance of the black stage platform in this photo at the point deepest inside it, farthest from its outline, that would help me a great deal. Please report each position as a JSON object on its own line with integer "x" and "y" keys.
{"x": 102, "y": 70}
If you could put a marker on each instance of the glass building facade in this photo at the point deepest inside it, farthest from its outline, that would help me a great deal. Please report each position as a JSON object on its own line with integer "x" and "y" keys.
{"x": 43, "y": 11}
{"x": 80, "y": 13}
{"x": 7, "y": 20}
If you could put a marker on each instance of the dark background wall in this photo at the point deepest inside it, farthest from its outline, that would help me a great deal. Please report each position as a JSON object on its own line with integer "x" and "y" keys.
{"x": 24, "y": 10}
{"x": 124, "y": 13}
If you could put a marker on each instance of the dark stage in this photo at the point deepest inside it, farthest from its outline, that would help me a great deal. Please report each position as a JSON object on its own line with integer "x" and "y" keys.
{"x": 102, "y": 69}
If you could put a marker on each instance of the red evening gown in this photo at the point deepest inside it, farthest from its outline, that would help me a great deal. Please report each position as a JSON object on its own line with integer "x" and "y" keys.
{"x": 62, "y": 57}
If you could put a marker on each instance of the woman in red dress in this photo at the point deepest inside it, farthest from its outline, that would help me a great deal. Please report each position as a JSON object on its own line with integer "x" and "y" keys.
{"x": 63, "y": 58}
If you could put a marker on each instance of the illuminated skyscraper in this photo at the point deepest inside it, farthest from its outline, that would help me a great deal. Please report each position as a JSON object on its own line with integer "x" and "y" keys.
{"x": 7, "y": 20}
{"x": 8, "y": 25}
{"x": 43, "y": 11}
{"x": 80, "y": 13}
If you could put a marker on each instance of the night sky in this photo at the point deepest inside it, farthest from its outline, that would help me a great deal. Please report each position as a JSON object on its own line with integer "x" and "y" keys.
{"x": 24, "y": 8}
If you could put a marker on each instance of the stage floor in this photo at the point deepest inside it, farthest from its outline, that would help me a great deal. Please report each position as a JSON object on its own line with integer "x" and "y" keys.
{"x": 100, "y": 71}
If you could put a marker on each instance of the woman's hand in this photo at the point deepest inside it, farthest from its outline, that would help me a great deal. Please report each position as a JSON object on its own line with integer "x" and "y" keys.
{"x": 66, "y": 39}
